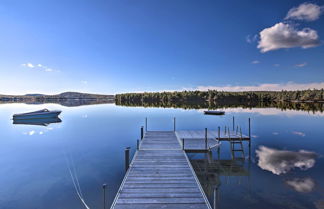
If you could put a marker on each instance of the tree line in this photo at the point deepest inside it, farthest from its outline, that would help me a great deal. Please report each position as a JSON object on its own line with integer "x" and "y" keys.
{"x": 222, "y": 96}
{"x": 309, "y": 100}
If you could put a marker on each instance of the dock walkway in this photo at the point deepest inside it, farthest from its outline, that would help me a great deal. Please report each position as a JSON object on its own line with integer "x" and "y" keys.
{"x": 160, "y": 176}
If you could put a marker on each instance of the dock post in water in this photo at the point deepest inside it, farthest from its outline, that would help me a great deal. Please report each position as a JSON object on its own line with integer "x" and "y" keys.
{"x": 174, "y": 124}
{"x": 233, "y": 124}
{"x": 146, "y": 124}
{"x": 137, "y": 145}
{"x": 206, "y": 140}
{"x": 249, "y": 137}
{"x": 104, "y": 195}
{"x": 142, "y": 132}
{"x": 127, "y": 158}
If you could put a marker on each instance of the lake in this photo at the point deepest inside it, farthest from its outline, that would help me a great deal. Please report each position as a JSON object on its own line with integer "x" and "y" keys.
{"x": 45, "y": 166}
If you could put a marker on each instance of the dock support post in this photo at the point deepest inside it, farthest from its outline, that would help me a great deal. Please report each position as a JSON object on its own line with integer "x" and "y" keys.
{"x": 104, "y": 195}
{"x": 174, "y": 124}
{"x": 249, "y": 137}
{"x": 218, "y": 148}
{"x": 127, "y": 158}
{"x": 146, "y": 124}
{"x": 137, "y": 145}
{"x": 142, "y": 132}
{"x": 206, "y": 140}
{"x": 233, "y": 124}
{"x": 215, "y": 197}
{"x": 183, "y": 144}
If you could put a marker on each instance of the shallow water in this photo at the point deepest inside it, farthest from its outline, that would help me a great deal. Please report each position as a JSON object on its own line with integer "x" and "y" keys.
{"x": 40, "y": 163}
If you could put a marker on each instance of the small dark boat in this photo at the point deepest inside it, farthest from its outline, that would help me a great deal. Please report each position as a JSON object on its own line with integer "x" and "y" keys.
{"x": 214, "y": 112}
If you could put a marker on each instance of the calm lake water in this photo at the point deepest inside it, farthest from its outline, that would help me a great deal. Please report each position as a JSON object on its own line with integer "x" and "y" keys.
{"x": 40, "y": 164}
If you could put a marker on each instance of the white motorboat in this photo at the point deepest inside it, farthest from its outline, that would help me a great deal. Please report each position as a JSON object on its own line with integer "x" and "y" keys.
{"x": 44, "y": 113}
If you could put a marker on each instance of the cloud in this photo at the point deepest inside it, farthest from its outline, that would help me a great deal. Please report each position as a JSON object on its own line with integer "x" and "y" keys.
{"x": 275, "y": 133}
{"x": 298, "y": 133}
{"x": 282, "y": 161}
{"x": 265, "y": 87}
{"x": 39, "y": 67}
{"x": 283, "y": 35}
{"x": 250, "y": 39}
{"x": 29, "y": 65}
{"x": 301, "y": 64}
{"x": 84, "y": 82}
{"x": 303, "y": 185}
{"x": 305, "y": 11}
{"x": 255, "y": 62}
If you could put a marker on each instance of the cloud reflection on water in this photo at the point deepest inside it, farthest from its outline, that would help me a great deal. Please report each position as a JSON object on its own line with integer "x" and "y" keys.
{"x": 303, "y": 185}
{"x": 282, "y": 161}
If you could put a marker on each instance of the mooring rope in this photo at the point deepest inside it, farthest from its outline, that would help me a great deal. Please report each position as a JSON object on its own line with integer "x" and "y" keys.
{"x": 75, "y": 180}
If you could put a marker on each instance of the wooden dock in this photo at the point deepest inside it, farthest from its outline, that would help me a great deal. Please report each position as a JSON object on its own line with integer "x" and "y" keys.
{"x": 160, "y": 176}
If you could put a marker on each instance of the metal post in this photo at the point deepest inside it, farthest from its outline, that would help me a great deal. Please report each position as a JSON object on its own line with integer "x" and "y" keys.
{"x": 137, "y": 144}
{"x": 104, "y": 195}
{"x": 174, "y": 124}
{"x": 249, "y": 127}
{"x": 182, "y": 143}
{"x": 127, "y": 158}
{"x": 214, "y": 198}
{"x": 206, "y": 140}
{"x": 218, "y": 149}
{"x": 233, "y": 123}
{"x": 142, "y": 132}
{"x": 249, "y": 138}
{"x": 145, "y": 124}
{"x": 225, "y": 130}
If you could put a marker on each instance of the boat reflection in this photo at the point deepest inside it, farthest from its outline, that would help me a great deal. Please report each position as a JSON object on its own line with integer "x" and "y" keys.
{"x": 37, "y": 121}
{"x": 209, "y": 172}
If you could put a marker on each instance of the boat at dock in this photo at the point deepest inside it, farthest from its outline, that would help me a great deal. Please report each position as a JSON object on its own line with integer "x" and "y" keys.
{"x": 44, "y": 113}
{"x": 214, "y": 112}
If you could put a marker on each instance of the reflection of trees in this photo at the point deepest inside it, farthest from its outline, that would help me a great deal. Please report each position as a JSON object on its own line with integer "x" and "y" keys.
{"x": 209, "y": 171}
{"x": 306, "y": 106}
{"x": 66, "y": 102}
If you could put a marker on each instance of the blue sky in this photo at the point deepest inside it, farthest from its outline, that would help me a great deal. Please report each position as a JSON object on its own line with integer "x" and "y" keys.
{"x": 130, "y": 46}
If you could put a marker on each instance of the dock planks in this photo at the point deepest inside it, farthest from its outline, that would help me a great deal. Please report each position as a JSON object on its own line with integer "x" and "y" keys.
{"x": 160, "y": 176}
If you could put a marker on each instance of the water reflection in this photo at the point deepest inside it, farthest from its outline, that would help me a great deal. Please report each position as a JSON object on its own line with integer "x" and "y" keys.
{"x": 303, "y": 185}
{"x": 66, "y": 102}
{"x": 209, "y": 172}
{"x": 37, "y": 121}
{"x": 282, "y": 161}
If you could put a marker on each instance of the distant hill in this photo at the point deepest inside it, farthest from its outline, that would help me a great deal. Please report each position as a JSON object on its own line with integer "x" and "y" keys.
{"x": 63, "y": 97}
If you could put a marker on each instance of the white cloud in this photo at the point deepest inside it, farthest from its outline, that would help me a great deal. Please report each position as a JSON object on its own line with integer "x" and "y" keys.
{"x": 282, "y": 161}
{"x": 301, "y": 64}
{"x": 265, "y": 87}
{"x": 298, "y": 133}
{"x": 305, "y": 11}
{"x": 283, "y": 35}
{"x": 30, "y": 133}
{"x": 40, "y": 67}
{"x": 250, "y": 39}
{"x": 29, "y": 65}
{"x": 255, "y": 62}
{"x": 303, "y": 185}
{"x": 84, "y": 82}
